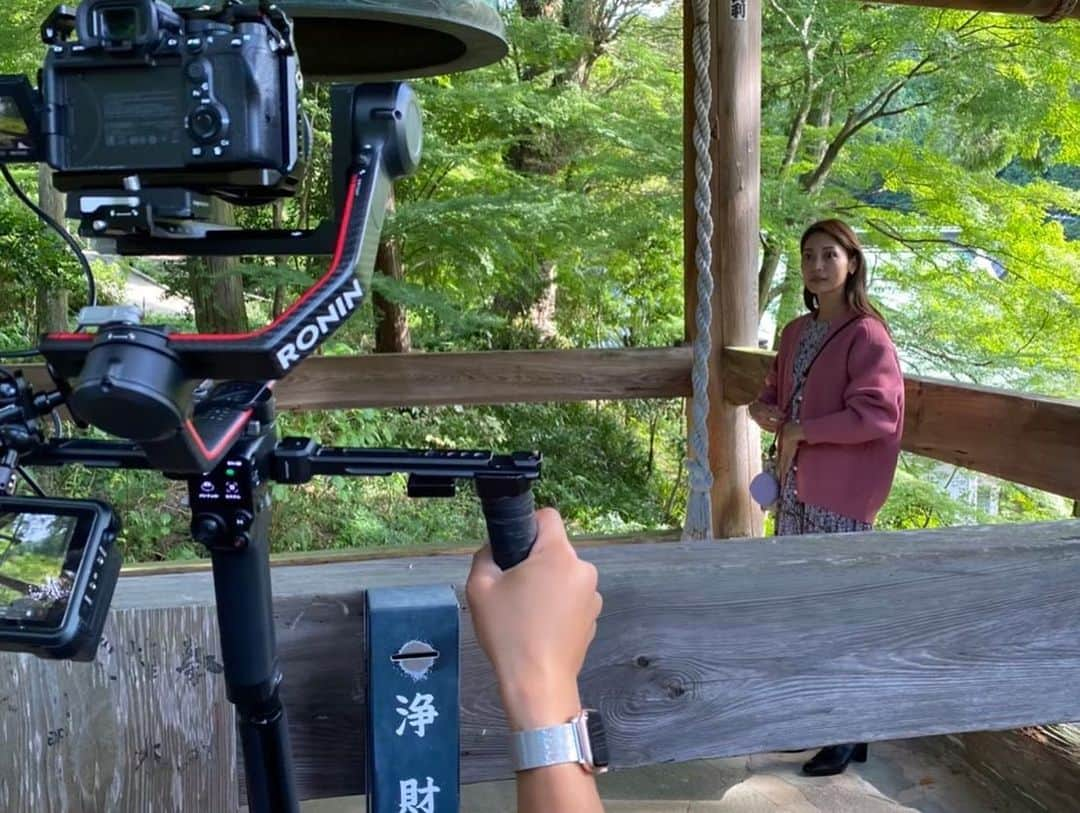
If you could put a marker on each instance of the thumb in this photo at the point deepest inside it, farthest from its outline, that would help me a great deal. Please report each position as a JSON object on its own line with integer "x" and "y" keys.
{"x": 484, "y": 572}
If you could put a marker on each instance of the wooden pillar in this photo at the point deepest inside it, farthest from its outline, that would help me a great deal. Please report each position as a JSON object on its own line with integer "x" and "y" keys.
{"x": 734, "y": 453}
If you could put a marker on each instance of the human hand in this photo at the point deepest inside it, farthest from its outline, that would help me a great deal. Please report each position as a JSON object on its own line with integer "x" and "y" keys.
{"x": 535, "y": 621}
{"x": 791, "y": 434}
{"x": 767, "y": 416}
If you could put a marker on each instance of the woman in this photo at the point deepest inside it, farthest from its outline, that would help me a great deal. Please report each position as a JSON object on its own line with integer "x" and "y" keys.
{"x": 835, "y": 399}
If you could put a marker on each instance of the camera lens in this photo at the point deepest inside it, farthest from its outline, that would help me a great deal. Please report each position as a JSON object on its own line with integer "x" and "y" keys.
{"x": 204, "y": 124}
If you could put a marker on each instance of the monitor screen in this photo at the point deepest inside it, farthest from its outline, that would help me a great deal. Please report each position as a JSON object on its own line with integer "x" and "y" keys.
{"x": 19, "y": 138}
{"x": 35, "y": 578}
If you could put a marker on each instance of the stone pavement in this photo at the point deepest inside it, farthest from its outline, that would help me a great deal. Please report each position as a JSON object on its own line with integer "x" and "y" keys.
{"x": 898, "y": 777}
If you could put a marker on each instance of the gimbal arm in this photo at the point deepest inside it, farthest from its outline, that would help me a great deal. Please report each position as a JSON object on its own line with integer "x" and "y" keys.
{"x": 383, "y": 144}
{"x": 137, "y": 382}
{"x": 503, "y": 482}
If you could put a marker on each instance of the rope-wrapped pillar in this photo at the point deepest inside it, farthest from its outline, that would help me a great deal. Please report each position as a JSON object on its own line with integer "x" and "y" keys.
{"x": 734, "y": 134}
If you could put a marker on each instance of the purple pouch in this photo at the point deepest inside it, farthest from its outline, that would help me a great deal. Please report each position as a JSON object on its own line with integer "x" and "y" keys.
{"x": 765, "y": 489}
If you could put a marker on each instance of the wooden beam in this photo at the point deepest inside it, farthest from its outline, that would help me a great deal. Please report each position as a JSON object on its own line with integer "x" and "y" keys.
{"x": 416, "y": 379}
{"x": 744, "y": 373}
{"x": 1018, "y": 437}
{"x": 1024, "y": 439}
{"x": 703, "y": 650}
{"x": 735, "y": 137}
{"x": 1050, "y": 9}
{"x": 1021, "y": 438}
{"x": 430, "y": 548}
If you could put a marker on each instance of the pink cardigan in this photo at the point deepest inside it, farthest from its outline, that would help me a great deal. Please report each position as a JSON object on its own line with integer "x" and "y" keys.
{"x": 852, "y": 413}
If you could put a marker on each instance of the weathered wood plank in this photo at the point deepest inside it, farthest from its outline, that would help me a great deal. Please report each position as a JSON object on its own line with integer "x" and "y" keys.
{"x": 1016, "y": 437}
{"x": 390, "y": 380}
{"x": 504, "y": 377}
{"x": 1022, "y": 438}
{"x": 744, "y": 373}
{"x": 1040, "y": 766}
{"x": 144, "y": 727}
{"x": 708, "y": 649}
{"x": 345, "y": 555}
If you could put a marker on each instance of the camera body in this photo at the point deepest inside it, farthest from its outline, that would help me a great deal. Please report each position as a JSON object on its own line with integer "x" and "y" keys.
{"x": 208, "y": 102}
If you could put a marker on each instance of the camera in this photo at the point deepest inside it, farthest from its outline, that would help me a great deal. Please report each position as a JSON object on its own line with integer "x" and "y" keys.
{"x": 58, "y": 568}
{"x": 144, "y": 110}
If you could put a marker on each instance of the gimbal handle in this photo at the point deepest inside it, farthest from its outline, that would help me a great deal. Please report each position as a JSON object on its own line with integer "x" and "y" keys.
{"x": 510, "y": 514}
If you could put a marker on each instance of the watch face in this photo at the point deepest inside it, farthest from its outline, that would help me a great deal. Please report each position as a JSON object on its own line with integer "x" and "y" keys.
{"x": 597, "y": 739}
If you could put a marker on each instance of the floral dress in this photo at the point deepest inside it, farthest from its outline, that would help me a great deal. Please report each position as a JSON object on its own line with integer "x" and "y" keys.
{"x": 793, "y": 516}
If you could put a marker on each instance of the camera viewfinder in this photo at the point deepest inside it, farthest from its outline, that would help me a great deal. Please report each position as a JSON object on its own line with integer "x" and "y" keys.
{"x": 118, "y": 24}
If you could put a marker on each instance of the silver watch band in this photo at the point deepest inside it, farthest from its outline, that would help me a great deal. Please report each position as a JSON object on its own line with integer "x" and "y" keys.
{"x": 547, "y": 746}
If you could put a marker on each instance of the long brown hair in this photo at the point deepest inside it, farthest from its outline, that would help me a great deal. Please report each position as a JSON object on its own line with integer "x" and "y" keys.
{"x": 855, "y": 285}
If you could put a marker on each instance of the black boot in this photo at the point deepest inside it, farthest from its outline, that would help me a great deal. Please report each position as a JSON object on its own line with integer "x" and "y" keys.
{"x": 833, "y": 759}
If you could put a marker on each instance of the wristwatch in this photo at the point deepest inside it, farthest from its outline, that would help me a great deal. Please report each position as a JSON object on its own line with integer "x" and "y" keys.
{"x": 582, "y": 740}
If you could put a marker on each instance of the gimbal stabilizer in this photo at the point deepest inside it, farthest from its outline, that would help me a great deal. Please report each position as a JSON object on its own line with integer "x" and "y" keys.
{"x": 140, "y": 383}
{"x": 231, "y": 517}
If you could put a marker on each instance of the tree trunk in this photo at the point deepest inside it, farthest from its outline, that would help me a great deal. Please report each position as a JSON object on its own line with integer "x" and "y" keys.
{"x": 277, "y": 306}
{"x": 770, "y": 261}
{"x": 579, "y": 18}
{"x": 542, "y": 311}
{"x": 822, "y": 118}
{"x": 791, "y": 300}
{"x": 52, "y": 310}
{"x": 795, "y": 132}
{"x": 536, "y": 9}
{"x": 52, "y": 298}
{"x": 217, "y": 289}
{"x": 392, "y": 324}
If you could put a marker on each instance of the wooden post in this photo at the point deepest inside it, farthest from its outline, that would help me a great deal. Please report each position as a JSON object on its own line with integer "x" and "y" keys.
{"x": 734, "y": 455}
{"x": 144, "y": 727}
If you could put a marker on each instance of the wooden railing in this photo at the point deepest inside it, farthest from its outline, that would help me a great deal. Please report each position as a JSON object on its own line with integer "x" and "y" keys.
{"x": 1023, "y": 438}
{"x": 703, "y": 649}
